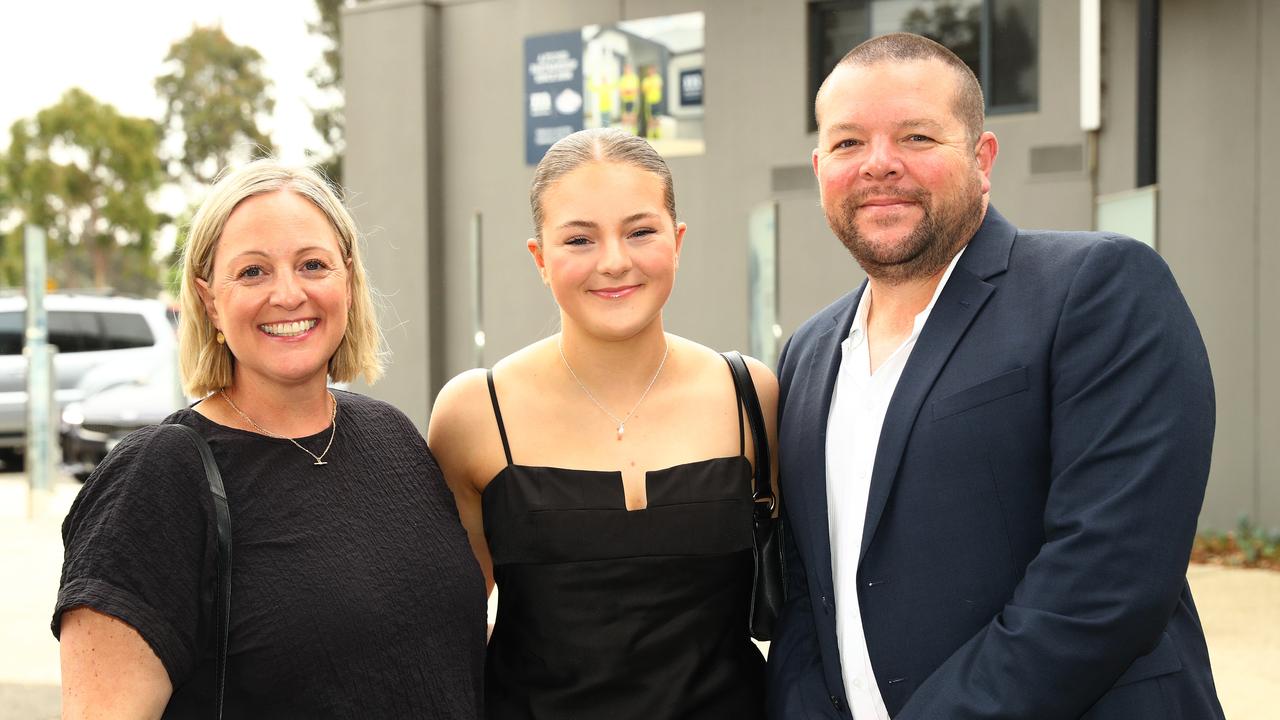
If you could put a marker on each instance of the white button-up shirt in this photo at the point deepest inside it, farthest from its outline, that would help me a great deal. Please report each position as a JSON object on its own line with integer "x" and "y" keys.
{"x": 858, "y": 406}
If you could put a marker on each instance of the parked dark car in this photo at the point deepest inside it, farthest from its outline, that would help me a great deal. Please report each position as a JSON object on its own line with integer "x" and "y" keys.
{"x": 117, "y": 398}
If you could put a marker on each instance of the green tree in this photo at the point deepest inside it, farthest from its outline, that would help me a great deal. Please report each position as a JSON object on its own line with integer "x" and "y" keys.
{"x": 11, "y": 259}
{"x": 173, "y": 263}
{"x": 86, "y": 174}
{"x": 10, "y": 254}
{"x": 5, "y": 204}
{"x": 328, "y": 117}
{"x": 214, "y": 93}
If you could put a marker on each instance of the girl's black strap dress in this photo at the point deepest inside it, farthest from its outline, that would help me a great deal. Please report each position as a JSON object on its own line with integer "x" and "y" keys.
{"x": 605, "y": 612}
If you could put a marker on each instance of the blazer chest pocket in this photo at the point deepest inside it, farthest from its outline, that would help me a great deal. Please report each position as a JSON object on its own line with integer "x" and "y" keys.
{"x": 1000, "y": 386}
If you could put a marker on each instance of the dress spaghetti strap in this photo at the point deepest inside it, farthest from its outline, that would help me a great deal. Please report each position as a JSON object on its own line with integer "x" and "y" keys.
{"x": 502, "y": 429}
{"x": 742, "y": 436}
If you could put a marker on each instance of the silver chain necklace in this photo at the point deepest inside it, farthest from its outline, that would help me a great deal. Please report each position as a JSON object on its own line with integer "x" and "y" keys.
{"x": 319, "y": 459}
{"x": 622, "y": 423}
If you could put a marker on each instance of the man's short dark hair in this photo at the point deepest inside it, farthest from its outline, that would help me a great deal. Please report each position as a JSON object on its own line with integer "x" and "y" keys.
{"x": 908, "y": 47}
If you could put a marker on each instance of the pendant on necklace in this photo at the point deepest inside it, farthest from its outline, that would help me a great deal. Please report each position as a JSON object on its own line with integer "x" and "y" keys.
{"x": 621, "y": 429}
{"x": 319, "y": 462}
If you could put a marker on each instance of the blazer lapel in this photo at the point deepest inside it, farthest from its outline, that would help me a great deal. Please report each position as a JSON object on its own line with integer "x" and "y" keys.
{"x": 823, "y": 367}
{"x": 962, "y": 298}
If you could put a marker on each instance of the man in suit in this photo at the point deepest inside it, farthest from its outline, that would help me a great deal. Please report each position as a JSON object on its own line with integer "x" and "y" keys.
{"x": 994, "y": 451}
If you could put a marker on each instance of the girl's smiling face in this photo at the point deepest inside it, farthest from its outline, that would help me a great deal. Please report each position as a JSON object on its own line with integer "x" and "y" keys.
{"x": 609, "y": 248}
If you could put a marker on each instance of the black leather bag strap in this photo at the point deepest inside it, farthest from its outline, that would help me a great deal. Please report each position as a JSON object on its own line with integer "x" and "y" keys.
{"x": 755, "y": 416}
{"x": 222, "y": 614}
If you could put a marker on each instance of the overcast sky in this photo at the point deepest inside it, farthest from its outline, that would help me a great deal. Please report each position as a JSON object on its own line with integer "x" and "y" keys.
{"x": 114, "y": 50}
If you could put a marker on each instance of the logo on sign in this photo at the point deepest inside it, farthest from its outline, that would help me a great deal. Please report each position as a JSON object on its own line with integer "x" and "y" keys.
{"x": 539, "y": 104}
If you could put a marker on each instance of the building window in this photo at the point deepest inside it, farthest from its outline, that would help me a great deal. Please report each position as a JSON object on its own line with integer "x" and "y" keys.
{"x": 997, "y": 39}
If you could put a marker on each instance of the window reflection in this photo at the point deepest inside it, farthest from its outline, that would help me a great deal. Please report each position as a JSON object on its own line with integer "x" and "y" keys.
{"x": 1014, "y": 73}
{"x": 956, "y": 24}
{"x": 997, "y": 39}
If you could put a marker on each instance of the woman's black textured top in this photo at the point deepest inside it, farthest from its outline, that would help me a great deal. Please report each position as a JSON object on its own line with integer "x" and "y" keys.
{"x": 355, "y": 593}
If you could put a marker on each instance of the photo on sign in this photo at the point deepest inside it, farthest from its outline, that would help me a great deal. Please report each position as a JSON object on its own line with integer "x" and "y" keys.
{"x": 643, "y": 76}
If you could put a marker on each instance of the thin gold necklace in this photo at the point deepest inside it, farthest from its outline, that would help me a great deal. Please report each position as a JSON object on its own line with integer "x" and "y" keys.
{"x": 319, "y": 459}
{"x": 622, "y": 423}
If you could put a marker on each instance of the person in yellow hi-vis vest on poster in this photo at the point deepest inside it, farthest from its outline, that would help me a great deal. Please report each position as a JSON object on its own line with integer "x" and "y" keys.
{"x": 629, "y": 96}
{"x": 651, "y": 86}
{"x": 604, "y": 88}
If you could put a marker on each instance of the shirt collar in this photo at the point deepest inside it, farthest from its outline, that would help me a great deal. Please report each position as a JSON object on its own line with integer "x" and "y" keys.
{"x": 858, "y": 332}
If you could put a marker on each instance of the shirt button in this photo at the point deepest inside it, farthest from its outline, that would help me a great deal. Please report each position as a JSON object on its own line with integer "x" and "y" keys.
{"x": 857, "y": 682}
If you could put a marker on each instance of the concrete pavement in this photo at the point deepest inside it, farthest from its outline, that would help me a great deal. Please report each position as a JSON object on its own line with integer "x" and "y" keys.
{"x": 1240, "y": 610}
{"x": 30, "y": 564}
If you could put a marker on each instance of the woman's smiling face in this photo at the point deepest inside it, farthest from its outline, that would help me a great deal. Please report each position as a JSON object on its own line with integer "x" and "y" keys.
{"x": 279, "y": 289}
{"x": 609, "y": 249}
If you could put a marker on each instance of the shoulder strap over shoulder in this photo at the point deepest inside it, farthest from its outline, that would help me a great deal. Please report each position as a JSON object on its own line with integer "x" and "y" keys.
{"x": 497, "y": 413}
{"x": 222, "y": 618}
{"x": 746, "y": 390}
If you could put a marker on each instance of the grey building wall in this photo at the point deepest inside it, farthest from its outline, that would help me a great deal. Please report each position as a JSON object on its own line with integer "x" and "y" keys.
{"x": 1116, "y": 156}
{"x": 1054, "y": 193}
{"x": 1268, "y": 265}
{"x": 1218, "y": 228}
{"x": 435, "y": 137}
{"x": 392, "y": 163}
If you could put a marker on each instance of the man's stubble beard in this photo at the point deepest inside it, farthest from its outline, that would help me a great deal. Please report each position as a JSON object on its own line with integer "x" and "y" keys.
{"x": 927, "y": 249}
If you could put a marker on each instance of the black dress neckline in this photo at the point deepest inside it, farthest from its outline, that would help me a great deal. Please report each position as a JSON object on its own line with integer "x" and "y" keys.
{"x": 512, "y": 468}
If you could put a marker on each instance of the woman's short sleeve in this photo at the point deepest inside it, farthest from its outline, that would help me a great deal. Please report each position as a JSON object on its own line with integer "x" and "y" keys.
{"x": 140, "y": 545}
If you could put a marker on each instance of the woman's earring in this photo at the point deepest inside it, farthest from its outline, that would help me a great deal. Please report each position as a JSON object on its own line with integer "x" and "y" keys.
{"x": 222, "y": 339}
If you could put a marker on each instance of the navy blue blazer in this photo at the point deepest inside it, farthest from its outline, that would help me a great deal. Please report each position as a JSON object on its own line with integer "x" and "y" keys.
{"x": 1033, "y": 500}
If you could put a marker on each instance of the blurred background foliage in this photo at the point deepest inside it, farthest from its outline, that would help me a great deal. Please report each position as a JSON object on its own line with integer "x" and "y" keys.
{"x": 1247, "y": 546}
{"x": 85, "y": 173}
{"x": 92, "y": 176}
{"x": 214, "y": 93}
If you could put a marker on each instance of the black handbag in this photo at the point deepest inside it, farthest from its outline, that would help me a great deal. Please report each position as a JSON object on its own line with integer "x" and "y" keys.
{"x": 222, "y": 599}
{"x": 768, "y": 590}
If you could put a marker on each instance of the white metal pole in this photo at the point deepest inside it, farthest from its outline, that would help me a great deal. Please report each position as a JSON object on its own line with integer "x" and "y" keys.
{"x": 40, "y": 381}
{"x": 1090, "y": 65}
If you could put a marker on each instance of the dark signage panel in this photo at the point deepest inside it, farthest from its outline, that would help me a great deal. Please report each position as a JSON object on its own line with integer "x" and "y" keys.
{"x": 553, "y": 90}
{"x": 691, "y": 87}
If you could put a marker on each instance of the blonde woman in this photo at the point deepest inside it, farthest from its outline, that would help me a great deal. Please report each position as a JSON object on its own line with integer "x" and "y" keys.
{"x": 354, "y": 592}
{"x": 604, "y": 473}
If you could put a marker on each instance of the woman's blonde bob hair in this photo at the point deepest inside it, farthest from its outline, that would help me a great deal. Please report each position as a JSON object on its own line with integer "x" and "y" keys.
{"x": 208, "y": 366}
